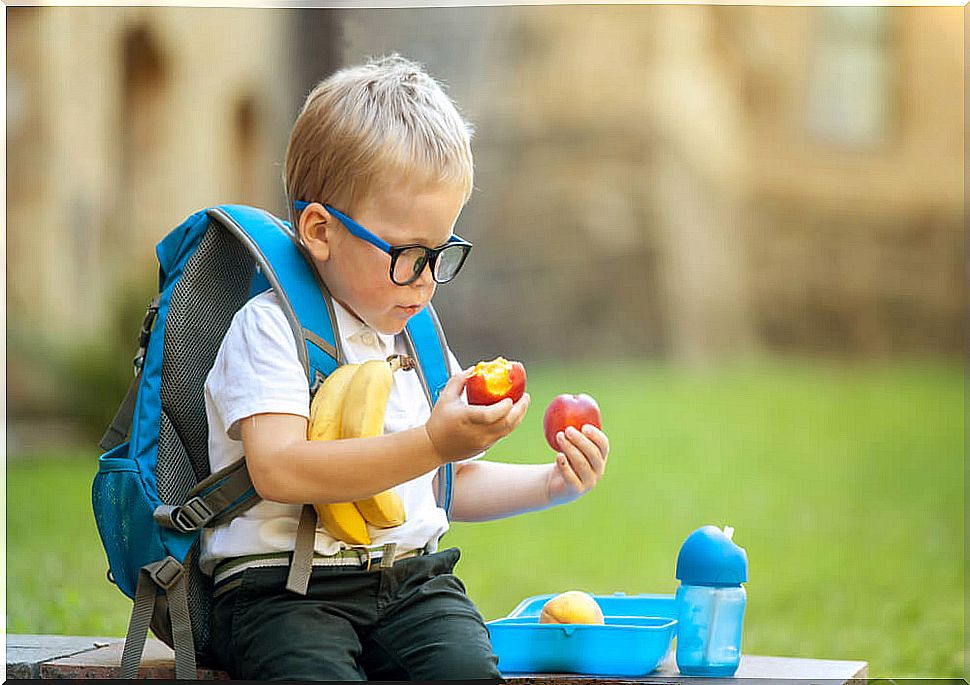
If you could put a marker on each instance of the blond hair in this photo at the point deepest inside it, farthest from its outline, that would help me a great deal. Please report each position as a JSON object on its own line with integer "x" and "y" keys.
{"x": 383, "y": 121}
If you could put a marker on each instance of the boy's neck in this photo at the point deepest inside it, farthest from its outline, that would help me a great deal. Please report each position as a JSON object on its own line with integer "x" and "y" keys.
{"x": 349, "y": 310}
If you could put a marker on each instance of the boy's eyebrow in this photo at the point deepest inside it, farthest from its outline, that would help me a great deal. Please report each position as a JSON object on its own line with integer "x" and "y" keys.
{"x": 415, "y": 240}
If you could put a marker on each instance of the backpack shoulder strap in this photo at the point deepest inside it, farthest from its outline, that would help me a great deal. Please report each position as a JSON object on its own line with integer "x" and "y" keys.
{"x": 309, "y": 310}
{"x": 308, "y": 307}
{"x": 303, "y": 295}
{"x": 427, "y": 341}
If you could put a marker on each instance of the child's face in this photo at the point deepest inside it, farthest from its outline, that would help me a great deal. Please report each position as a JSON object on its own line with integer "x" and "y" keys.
{"x": 358, "y": 273}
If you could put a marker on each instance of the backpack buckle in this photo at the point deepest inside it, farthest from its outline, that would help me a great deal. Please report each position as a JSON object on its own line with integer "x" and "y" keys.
{"x": 192, "y": 515}
{"x": 146, "y": 333}
{"x": 166, "y": 572}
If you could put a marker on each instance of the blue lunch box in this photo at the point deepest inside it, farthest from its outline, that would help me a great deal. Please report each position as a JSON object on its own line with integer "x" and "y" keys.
{"x": 634, "y": 641}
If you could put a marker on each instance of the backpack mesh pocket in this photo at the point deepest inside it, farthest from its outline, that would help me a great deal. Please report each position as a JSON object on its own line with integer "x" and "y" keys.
{"x": 123, "y": 512}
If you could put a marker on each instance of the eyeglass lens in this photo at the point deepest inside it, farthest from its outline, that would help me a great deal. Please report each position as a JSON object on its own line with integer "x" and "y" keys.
{"x": 411, "y": 262}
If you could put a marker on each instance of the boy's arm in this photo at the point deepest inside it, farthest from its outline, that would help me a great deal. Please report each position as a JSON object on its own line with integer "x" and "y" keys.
{"x": 287, "y": 467}
{"x": 486, "y": 490}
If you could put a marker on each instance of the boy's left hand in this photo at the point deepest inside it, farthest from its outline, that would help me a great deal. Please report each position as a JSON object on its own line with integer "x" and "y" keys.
{"x": 579, "y": 464}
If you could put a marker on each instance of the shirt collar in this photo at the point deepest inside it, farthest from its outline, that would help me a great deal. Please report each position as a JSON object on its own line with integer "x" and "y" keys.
{"x": 354, "y": 330}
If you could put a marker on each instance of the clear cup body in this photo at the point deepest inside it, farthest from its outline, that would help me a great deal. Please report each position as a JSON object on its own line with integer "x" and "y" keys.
{"x": 709, "y": 625}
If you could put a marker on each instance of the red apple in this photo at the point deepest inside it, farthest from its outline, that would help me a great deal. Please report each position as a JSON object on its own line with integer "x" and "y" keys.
{"x": 569, "y": 410}
{"x": 493, "y": 381}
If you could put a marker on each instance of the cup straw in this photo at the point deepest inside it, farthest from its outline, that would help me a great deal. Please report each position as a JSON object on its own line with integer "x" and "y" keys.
{"x": 710, "y": 629}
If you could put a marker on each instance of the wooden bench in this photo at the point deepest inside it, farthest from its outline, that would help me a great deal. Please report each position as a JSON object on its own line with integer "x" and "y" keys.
{"x": 76, "y": 658}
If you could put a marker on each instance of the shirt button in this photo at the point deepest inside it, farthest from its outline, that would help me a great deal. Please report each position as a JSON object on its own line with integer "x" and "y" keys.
{"x": 368, "y": 338}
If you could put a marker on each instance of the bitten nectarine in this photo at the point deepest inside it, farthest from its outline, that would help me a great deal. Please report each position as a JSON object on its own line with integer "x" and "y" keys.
{"x": 493, "y": 381}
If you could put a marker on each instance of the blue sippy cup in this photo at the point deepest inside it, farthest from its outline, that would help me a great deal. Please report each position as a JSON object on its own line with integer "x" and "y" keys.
{"x": 710, "y": 602}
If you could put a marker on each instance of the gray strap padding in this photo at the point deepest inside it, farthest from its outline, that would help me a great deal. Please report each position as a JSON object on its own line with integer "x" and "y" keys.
{"x": 302, "y": 563}
{"x": 222, "y": 496}
{"x": 141, "y": 616}
{"x": 178, "y": 612}
{"x": 320, "y": 342}
{"x": 388, "y": 554}
{"x": 121, "y": 423}
{"x": 169, "y": 575}
{"x": 118, "y": 430}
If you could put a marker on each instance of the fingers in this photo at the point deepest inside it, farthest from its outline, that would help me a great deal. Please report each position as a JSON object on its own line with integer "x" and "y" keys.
{"x": 568, "y": 475}
{"x": 455, "y": 385}
{"x": 519, "y": 409}
{"x": 488, "y": 414}
{"x": 578, "y": 459}
{"x": 599, "y": 438}
{"x": 583, "y": 454}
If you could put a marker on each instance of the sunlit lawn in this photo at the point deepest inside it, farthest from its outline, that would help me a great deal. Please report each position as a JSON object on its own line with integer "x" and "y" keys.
{"x": 844, "y": 484}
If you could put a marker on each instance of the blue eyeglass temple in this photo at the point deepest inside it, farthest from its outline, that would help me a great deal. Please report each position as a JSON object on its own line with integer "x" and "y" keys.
{"x": 359, "y": 230}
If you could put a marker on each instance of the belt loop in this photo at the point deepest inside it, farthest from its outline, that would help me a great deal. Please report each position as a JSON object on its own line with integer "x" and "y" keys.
{"x": 387, "y": 556}
{"x": 362, "y": 553}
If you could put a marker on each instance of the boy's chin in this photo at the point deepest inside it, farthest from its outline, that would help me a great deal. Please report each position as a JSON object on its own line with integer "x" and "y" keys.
{"x": 392, "y": 326}
{"x": 393, "y": 321}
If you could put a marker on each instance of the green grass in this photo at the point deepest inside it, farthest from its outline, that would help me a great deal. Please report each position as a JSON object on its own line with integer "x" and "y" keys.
{"x": 845, "y": 485}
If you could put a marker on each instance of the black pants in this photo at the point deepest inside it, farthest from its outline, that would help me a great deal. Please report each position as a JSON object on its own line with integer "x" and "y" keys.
{"x": 412, "y": 621}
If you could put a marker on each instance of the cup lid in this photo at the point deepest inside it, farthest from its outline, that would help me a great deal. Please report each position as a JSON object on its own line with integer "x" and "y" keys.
{"x": 709, "y": 557}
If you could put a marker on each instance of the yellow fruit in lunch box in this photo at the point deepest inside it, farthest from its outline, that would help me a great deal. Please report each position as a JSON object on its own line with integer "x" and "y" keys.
{"x": 574, "y": 606}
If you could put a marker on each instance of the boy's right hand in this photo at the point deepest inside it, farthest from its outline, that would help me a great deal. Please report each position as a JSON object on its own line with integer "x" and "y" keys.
{"x": 458, "y": 430}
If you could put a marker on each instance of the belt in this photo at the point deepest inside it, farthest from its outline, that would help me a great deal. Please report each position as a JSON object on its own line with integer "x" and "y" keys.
{"x": 361, "y": 557}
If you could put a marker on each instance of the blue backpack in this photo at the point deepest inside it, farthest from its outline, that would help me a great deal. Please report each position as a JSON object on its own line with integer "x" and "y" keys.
{"x": 153, "y": 492}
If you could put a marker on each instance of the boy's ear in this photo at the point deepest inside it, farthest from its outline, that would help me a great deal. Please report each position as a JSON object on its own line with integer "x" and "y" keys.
{"x": 314, "y": 230}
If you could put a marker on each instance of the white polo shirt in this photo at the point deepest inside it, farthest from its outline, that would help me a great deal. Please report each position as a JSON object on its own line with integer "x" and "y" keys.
{"x": 257, "y": 370}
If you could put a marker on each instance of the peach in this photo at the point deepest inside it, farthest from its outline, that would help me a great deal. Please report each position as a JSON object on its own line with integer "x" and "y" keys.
{"x": 574, "y": 606}
{"x": 569, "y": 410}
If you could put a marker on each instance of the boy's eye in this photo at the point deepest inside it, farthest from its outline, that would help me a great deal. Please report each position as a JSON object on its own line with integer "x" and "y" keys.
{"x": 410, "y": 262}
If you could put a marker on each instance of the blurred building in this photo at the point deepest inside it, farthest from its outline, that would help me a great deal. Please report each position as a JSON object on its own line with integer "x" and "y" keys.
{"x": 120, "y": 122}
{"x": 855, "y": 160}
{"x": 696, "y": 181}
{"x": 676, "y": 181}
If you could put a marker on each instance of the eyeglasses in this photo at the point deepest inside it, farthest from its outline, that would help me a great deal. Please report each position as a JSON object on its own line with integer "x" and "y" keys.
{"x": 408, "y": 261}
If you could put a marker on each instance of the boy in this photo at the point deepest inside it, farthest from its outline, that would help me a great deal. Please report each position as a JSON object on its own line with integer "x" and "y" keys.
{"x": 381, "y": 147}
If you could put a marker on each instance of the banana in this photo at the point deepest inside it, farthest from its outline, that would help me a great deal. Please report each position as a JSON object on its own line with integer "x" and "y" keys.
{"x": 344, "y": 522}
{"x": 327, "y": 406}
{"x": 351, "y": 404}
{"x": 366, "y": 398}
{"x": 342, "y": 519}
{"x": 363, "y": 417}
{"x": 383, "y": 510}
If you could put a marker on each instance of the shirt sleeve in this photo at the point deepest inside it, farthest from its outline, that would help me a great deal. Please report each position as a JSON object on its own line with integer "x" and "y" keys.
{"x": 454, "y": 367}
{"x": 257, "y": 369}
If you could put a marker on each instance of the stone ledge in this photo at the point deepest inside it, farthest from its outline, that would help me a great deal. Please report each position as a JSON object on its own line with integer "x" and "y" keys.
{"x": 57, "y": 657}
